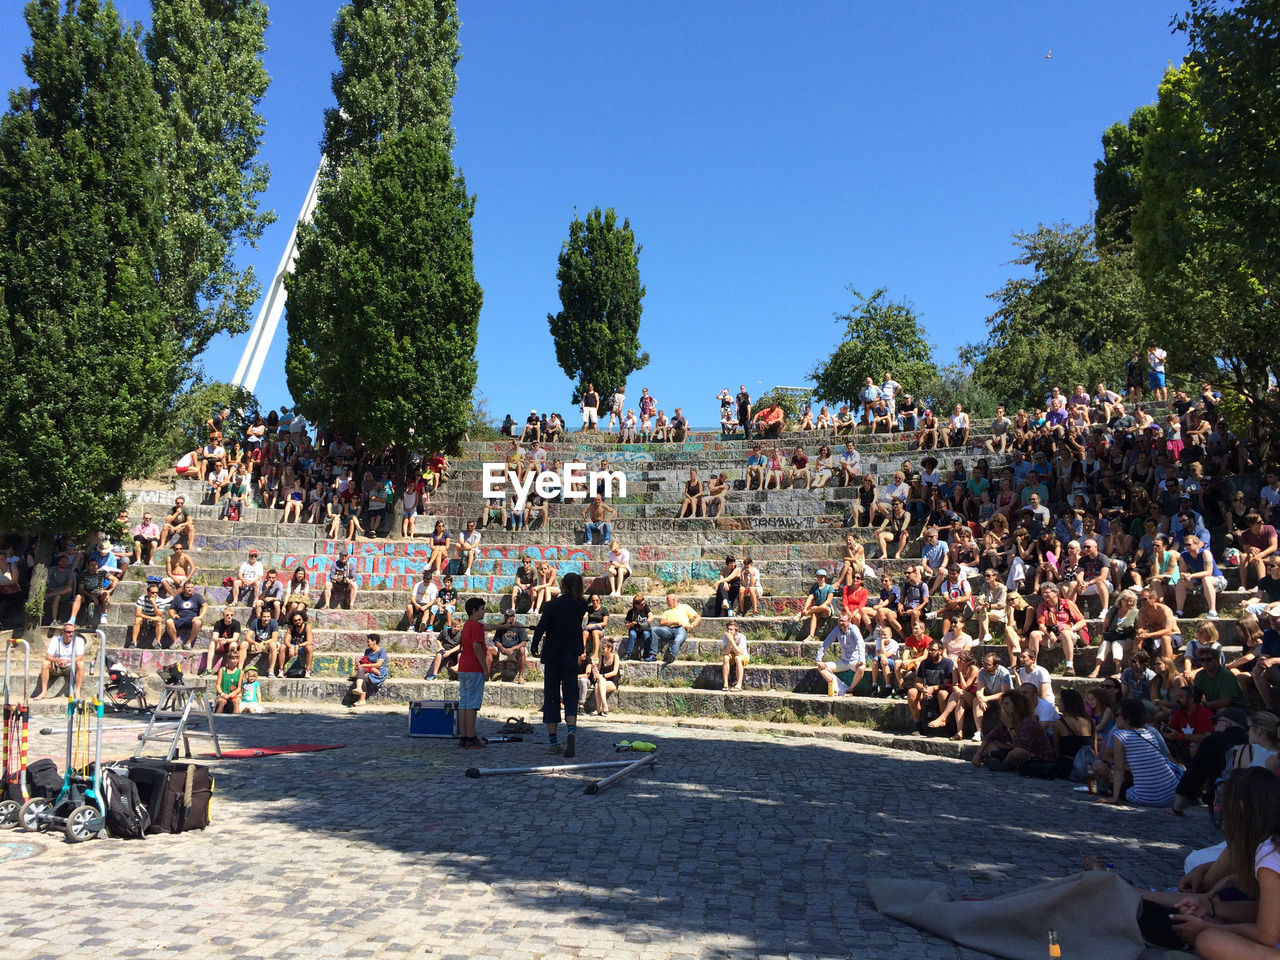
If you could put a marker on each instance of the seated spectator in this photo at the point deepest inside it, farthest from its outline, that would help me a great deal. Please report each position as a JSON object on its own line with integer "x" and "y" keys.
{"x": 639, "y": 633}
{"x": 271, "y": 596}
{"x": 842, "y": 675}
{"x": 599, "y": 516}
{"x": 661, "y": 428}
{"x": 817, "y": 604}
{"x": 894, "y": 529}
{"x": 628, "y": 432}
{"x": 63, "y": 657}
{"x": 224, "y": 638}
{"x": 607, "y": 676}
{"x": 1189, "y": 723}
{"x": 884, "y": 664}
{"x": 674, "y": 624}
{"x": 752, "y": 589}
{"x": 932, "y": 683}
{"x": 717, "y": 496}
{"x": 228, "y": 684}
{"x": 733, "y": 647}
{"x": 769, "y": 422}
{"x": 1119, "y": 631}
{"x": 679, "y": 428}
{"x": 298, "y": 593}
{"x": 340, "y": 586}
{"x": 95, "y": 589}
{"x": 439, "y": 541}
{"x": 297, "y": 644}
{"x": 532, "y": 428}
{"x": 806, "y": 421}
{"x": 844, "y": 422}
{"x": 617, "y": 568}
{"x": 62, "y": 586}
{"x": 1058, "y": 621}
{"x": 467, "y": 546}
{"x": 371, "y": 671}
{"x": 146, "y": 538}
{"x": 964, "y": 692}
{"x": 247, "y": 583}
{"x": 774, "y": 473}
{"x": 178, "y": 569}
{"x": 525, "y": 585}
{"x": 851, "y": 465}
{"x": 727, "y": 586}
{"x": 512, "y": 643}
{"x": 545, "y": 587}
{"x": 757, "y": 464}
{"x": 1142, "y": 762}
{"x": 692, "y": 504}
{"x": 799, "y": 469}
{"x": 596, "y": 624}
{"x": 185, "y": 616}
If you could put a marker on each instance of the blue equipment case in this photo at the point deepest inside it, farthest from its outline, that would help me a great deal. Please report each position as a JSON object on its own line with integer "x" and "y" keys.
{"x": 433, "y": 718}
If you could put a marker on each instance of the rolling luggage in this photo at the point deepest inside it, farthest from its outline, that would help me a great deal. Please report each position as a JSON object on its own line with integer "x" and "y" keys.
{"x": 177, "y": 795}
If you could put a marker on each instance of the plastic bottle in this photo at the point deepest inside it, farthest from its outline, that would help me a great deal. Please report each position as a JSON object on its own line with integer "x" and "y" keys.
{"x": 831, "y": 688}
{"x": 1054, "y": 949}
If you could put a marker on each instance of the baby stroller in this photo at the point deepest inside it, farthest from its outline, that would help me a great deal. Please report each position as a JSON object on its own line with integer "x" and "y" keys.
{"x": 124, "y": 690}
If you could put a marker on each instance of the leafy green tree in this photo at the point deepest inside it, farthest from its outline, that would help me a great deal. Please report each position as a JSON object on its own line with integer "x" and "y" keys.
{"x": 399, "y": 63}
{"x": 383, "y": 305}
{"x": 1206, "y": 255}
{"x": 206, "y": 65}
{"x": 954, "y": 384}
{"x": 792, "y": 405}
{"x": 87, "y": 339}
{"x": 1117, "y": 178}
{"x": 880, "y": 336}
{"x": 186, "y": 431}
{"x": 1074, "y": 319}
{"x": 597, "y": 331}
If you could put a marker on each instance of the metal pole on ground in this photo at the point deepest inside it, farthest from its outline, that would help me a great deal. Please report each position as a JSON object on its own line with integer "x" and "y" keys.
{"x": 474, "y": 772}
{"x": 631, "y": 767}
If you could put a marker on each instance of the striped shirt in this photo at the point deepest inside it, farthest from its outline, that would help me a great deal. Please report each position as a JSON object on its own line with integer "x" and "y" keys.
{"x": 1155, "y": 777}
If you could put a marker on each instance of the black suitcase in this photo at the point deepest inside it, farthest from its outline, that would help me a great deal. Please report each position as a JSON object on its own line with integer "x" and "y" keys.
{"x": 177, "y": 795}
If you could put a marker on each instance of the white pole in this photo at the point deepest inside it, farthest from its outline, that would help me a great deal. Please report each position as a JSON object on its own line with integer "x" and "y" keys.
{"x": 474, "y": 772}
{"x": 594, "y": 788}
{"x": 268, "y": 319}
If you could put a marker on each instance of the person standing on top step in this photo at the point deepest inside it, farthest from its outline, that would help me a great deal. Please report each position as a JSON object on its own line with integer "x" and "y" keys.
{"x": 743, "y": 401}
{"x": 590, "y": 409}
{"x": 557, "y": 642}
{"x": 617, "y": 407}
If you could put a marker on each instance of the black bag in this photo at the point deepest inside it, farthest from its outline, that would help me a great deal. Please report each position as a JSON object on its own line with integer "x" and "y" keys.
{"x": 43, "y": 779}
{"x": 177, "y": 795}
{"x": 296, "y": 670}
{"x": 127, "y": 815}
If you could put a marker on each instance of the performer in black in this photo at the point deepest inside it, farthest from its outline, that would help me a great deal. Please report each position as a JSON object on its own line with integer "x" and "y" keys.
{"x": 561, "y": 627}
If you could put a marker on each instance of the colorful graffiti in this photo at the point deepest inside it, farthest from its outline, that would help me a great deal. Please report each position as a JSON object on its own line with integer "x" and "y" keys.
{"x": 673, "y": 571}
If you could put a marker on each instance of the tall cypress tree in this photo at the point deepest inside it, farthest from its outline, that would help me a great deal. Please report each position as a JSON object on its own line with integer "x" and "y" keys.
{"x": 86, "y": 339}
{"x": 597, "y": 331}
{"x": 383, "y": 305}
{"x": 206, "y": 64}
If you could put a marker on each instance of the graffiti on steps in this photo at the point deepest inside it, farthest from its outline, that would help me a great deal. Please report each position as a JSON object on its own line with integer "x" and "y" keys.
{"x": 397, "y": 566}
{"x": 772, "y": 523}
{"x": 209, "y": 542}
{"x": 673, "y": 571}
{"x": 628, "y": 456}
{"x": 151, "y": 496}
{"x": 655, "y": 553}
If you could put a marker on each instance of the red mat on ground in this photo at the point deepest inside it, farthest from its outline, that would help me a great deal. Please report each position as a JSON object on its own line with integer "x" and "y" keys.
{"x": 248, "y": 752}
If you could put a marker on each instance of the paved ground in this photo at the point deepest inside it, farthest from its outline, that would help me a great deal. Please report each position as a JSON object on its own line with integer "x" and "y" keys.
{"x": 737, "y": 845}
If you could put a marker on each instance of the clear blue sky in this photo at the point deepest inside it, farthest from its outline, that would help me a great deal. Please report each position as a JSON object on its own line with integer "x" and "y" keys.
{"x": 766, "y": 154}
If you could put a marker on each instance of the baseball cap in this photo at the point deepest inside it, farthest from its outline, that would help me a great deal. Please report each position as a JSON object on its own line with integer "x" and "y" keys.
{"x": 822, "y": 572}
{"x": 1234, "y": 715}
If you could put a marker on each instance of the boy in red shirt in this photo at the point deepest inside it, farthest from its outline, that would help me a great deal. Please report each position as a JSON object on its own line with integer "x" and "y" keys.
{"x": 473, "y": 667}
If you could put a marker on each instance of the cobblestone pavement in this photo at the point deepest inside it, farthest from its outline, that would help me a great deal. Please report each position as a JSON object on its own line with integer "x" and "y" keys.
{"x": 737, "y": 845}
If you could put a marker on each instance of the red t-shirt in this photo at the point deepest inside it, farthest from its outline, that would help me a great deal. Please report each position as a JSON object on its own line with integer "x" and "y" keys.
{"x": 472, "y": 633}
{"x": 851, "y": 599}
{"x": 917, "y": 646}
{"x": 1200, "y": 720}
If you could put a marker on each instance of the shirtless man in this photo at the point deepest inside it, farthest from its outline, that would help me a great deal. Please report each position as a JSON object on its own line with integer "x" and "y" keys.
{"x": 599, "y": 516}
{"x": 1156, "y": 624}
{"x": 178, "y": 569}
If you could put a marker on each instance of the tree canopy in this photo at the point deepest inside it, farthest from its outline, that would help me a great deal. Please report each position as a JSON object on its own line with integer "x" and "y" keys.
{"x": 597, "y": 331}
{"x": 206, "y": 65}
{"x": 1073, "y": 319}
{"x": 398, "y": 70}
{"x": 383, "y": 305}
{"x": 87, "y": 337}
{"x": 1117, "y": 180}
{"x": 881, "y": 336}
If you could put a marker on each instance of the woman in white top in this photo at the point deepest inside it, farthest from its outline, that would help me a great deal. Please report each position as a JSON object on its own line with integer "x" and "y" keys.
{"x": 1241, "y": 929}
{"x": 619, "y": 567}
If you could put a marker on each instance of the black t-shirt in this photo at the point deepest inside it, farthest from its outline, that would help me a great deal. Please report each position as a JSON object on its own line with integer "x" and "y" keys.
{"x": 1270, "y": 588}
{"x": 907, "y": 408}
{"x": 222, "y": 630}
{"x": 744, "y": 403}
{"x": 638, "y": 614}
{"x": 935, "y": 674}
{"x": 590, "y": 400}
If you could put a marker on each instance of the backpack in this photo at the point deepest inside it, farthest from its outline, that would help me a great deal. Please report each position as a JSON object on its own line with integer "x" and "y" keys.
{"x": 127, "y": 815}
{"x": 233, "y": 511}
{"x": 43, "y": 779}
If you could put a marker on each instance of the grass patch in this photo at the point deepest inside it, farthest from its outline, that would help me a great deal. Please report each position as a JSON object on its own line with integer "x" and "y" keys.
{"x": 783, "y": 714}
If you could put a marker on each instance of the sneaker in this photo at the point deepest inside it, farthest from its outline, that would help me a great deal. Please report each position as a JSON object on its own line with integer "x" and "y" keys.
{"x": 463, "y": 742}
{"x": 724, "y": 604}
{"x": 430, "y": 676}
{"x": 875, "y": 689}
{"x": 1069, "y": 671}
{"x": 556, "y": 747}
{"x": 570, "y": 745}
{"x": 306, "y": 675}
{"x": 1212, "y": 614}
{"x": 102, "y": 619}
{"x": 651, "y": 659}
{"x": 977, "y": 736}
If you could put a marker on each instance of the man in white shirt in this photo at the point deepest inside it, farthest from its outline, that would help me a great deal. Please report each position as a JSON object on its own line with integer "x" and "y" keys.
{"x": 65, "y": 648}
{"x": 889, "y": 391}
{"x": 467, "y": 544}
{"x": 248, "y": 581}
{"x": 850, "y": 464}
{"x": 1031, "y": 672}
{"x": 846, "y": 673}
{"x": 423, "y": 598}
